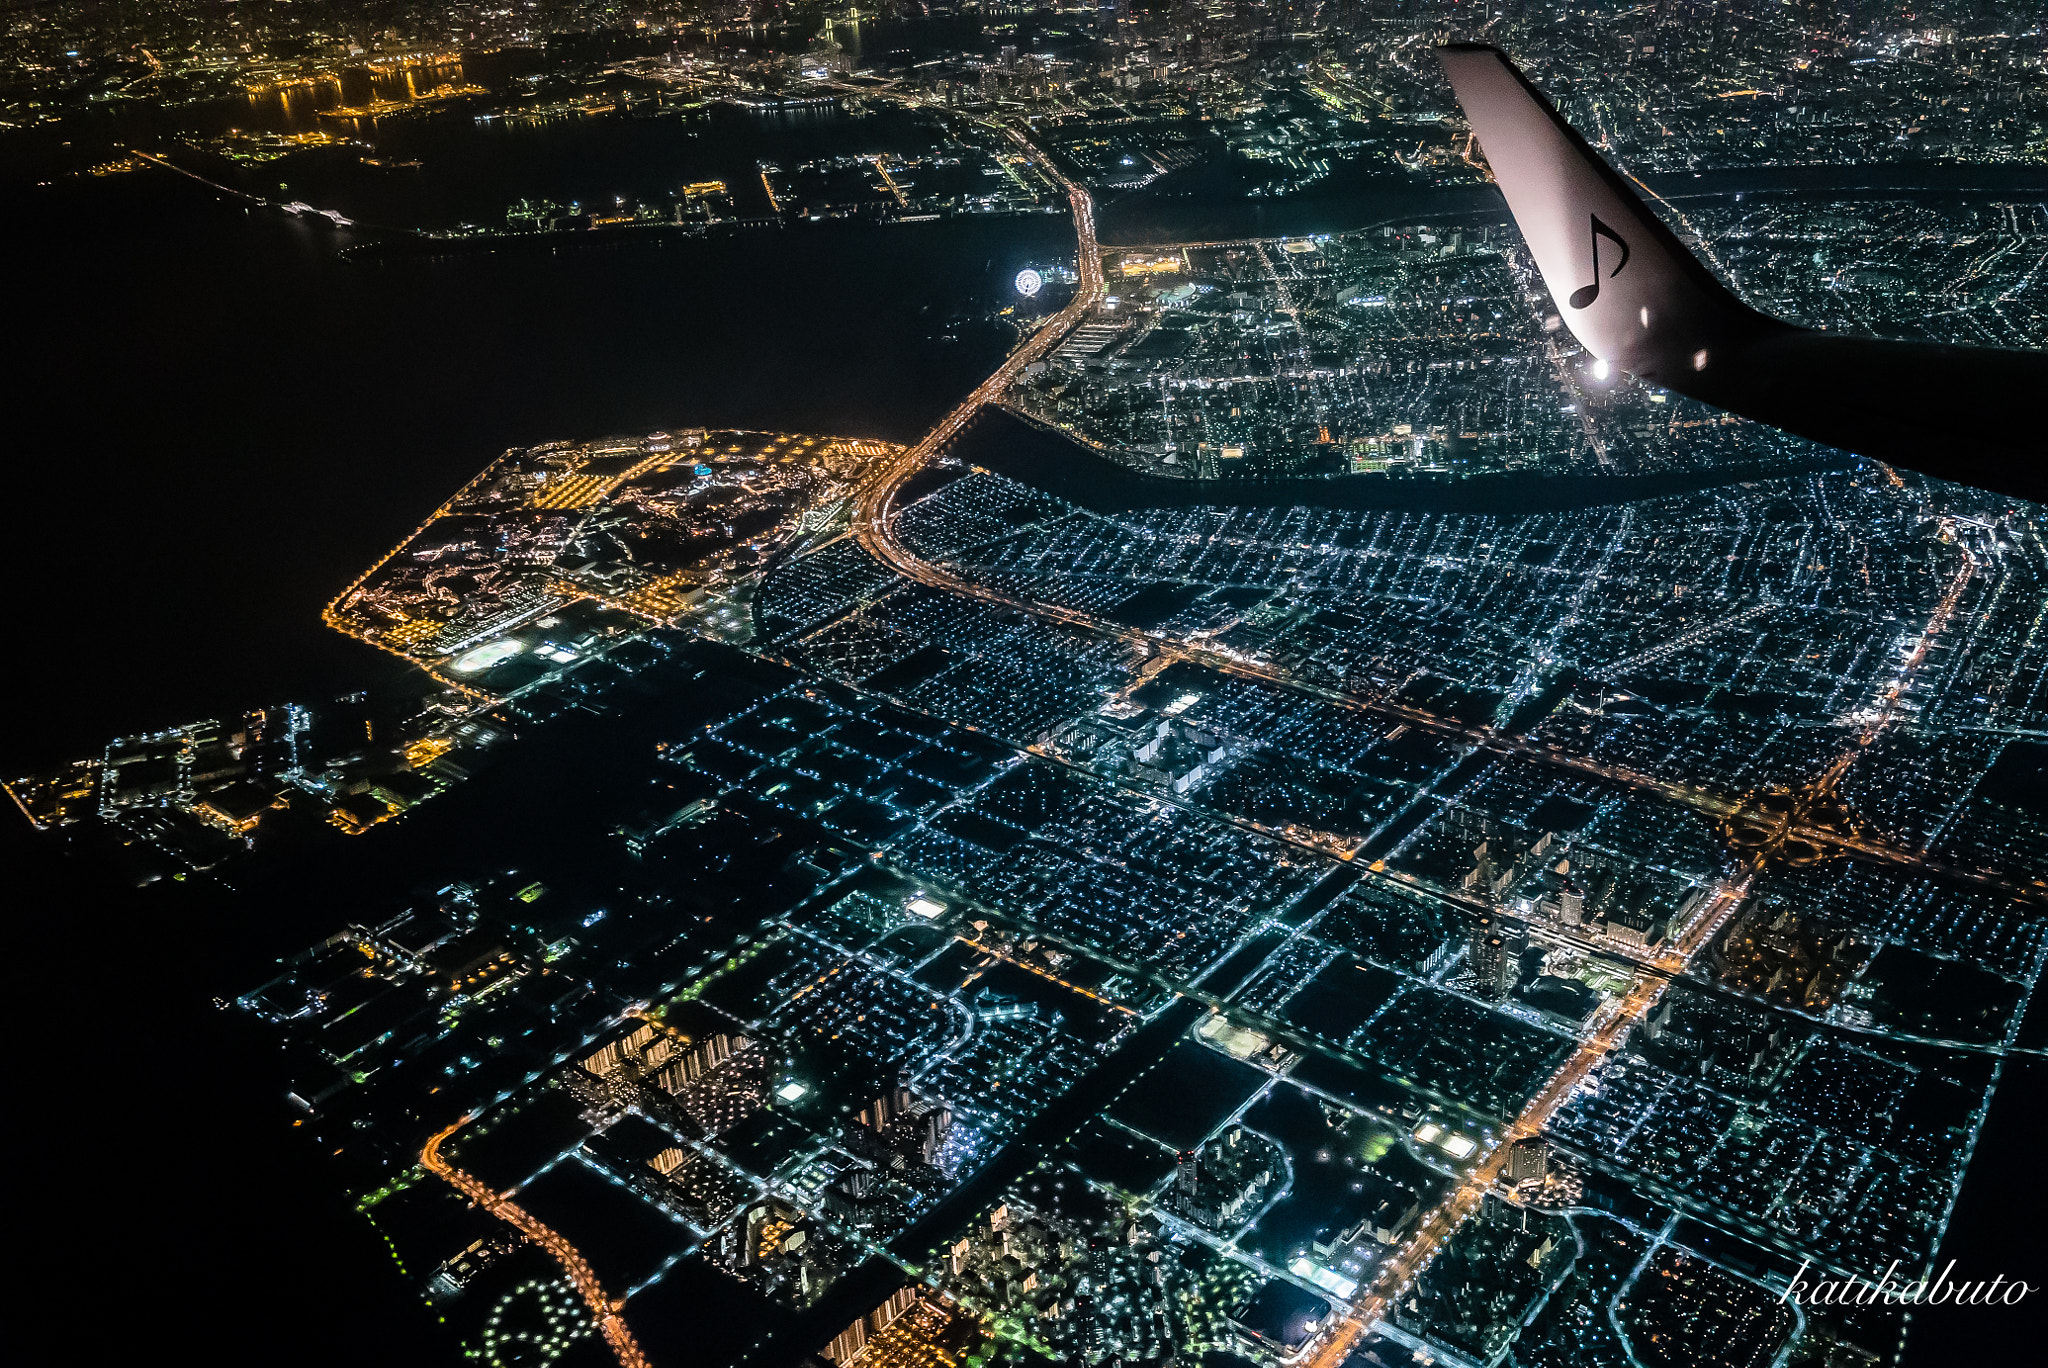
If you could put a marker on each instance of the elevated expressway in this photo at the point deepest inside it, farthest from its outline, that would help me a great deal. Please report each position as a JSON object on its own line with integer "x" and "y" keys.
{"x": 603, "y": 1310}
{"x": 875, "y": 506}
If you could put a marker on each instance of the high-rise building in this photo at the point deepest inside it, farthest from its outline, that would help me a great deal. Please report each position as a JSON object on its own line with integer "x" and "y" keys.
{"x": 932, "y": 1129}
{"x": 1571, "y": 901}
{"x": 1528, "y": 1160}
{"x": 709, "y": 1086}
{"x": 905, "y": 1126}
{"x": 1477, "y": 932}
{"x": 877, "y": 1115}
{"x": 1492, "y": 965}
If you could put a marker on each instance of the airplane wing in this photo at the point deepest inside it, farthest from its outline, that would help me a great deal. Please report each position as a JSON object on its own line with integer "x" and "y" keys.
{"x": 1634, "y": 297}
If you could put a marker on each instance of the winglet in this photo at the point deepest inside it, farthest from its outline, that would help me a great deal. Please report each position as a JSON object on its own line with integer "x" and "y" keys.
{"x": 1631, "y": 292}
{"x": 1625, "y": 286}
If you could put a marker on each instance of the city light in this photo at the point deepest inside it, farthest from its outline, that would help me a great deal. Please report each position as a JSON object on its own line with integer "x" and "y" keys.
{"x": 1312, "y": 809}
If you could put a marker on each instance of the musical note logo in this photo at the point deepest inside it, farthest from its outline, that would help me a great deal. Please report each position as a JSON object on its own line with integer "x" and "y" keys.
{"x": 1587, "y": 294}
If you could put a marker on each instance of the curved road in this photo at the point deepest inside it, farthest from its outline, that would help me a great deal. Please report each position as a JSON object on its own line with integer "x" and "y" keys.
{"x": 874, "y": 507}
{"x": 603, "y": 1310}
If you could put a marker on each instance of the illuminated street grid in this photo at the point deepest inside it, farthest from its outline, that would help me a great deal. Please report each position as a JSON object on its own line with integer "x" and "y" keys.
{"x": 1596, "y": 789}
{"x": 1009, "y": 1071}
{"x": 1592, "y": 818}
{"x": 1890, "y": 268}
{"x": 1848, "y": 90}
{"x": 860, "y": 766}
{"x": 1656, "y": 832}
{"x": 1141, "y": 881}
{"x": 1974, "y": 928}
{"x": 1573, "y": 1328}
{"x": 1406, "y": 348}
{"x": 1740, "y": 1110}
{"x": 1488, "y": 1279}
{"x": 1432, "y": 349}
{"x": 822, "y": 1003}
{"x": 1485, "y": 601}
{"x": 1737, "y": 779}
{"x": 1068, "y": 1270}
{"x": 1501, "y": 596}
{"x": 1771, "y": 1172}
{"x": 1757, "y": 900}
{"x": 1432, "y": 1038}
{"x": 826, "y": 993}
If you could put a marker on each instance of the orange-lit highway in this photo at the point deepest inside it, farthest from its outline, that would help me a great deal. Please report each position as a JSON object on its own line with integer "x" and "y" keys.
{"x": 603, "y": 1310}
{"x": 875, "y": 506}
{"x": 1400, "y": 1268}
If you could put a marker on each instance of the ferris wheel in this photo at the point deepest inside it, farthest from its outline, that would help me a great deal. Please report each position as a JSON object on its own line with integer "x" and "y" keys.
{"x": 1029, "y": 282}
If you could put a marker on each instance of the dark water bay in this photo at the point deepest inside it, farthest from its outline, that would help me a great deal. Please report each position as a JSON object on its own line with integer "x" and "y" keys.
{"x": 253, "y": 413}
{"x": 218, "y": 421}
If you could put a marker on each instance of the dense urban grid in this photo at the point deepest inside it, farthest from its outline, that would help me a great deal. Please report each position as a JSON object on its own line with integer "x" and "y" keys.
{"x": 936, "y": 916}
